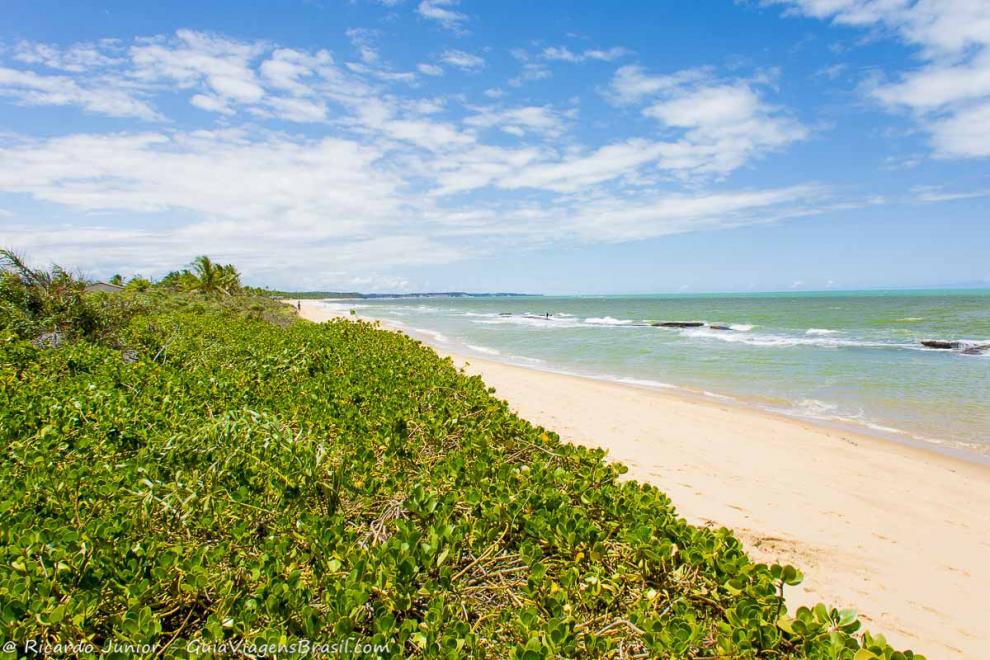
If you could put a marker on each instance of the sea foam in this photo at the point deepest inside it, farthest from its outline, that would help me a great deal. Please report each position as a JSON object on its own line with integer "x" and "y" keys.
{"x": 607, "y": 320}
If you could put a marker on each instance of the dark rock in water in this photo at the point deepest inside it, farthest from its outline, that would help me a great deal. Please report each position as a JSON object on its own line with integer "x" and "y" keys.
{"x": 939, "y": 343}
{"x": 977, "y": 350}
{"x": 720, "y": 327}
{"x": 505, "y": 313}
{"x": 677, "y": 324}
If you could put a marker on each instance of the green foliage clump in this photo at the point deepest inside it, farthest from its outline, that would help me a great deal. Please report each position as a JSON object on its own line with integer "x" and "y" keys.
{"x": 205, "y": 276}
{"x": 52, "y": 306}
{"x": 240, "y": 480}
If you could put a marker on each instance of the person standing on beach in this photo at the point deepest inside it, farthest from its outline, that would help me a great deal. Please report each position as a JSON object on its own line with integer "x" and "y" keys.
{"x": 299, "y": 305}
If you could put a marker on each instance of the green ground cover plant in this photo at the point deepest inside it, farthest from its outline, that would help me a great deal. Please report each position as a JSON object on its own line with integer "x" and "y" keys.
{"x": 212, "y": 471}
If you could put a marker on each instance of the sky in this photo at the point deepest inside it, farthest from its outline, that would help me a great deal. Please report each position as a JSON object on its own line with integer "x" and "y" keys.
{"x": 551, "y": 147}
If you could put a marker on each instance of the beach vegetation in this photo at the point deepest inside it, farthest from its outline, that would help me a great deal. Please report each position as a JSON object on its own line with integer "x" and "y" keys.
{"x": 208, "y": 470}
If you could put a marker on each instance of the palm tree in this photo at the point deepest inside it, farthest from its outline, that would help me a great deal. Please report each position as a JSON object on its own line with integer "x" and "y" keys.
{"x": 14, "y": 265}
{"x": 47, "y": 299}
{"x": 229, "y": 279}
{"x": 211, "y": 277}
{"x": 207, "y": 274}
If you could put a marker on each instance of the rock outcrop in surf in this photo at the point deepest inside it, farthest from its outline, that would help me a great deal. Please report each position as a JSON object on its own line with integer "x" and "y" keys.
{"x": 962, "y": 347}
{"x": 941, "y": 344}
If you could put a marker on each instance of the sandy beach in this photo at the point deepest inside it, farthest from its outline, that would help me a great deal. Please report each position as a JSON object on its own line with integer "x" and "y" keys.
{"x": 898, "y": 532}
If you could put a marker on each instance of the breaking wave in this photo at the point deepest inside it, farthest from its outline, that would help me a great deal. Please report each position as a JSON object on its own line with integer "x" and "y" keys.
{"x": 607, "y": 320}
{"x": 483, "y": 349}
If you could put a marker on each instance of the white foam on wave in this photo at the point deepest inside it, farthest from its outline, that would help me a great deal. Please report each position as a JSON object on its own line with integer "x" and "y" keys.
{"x": 483, "y": 349}
{"x": 645, "y": 382}
{"x": 786, "y": 341}
{"x": 816, "y": 407}
{"x": 531, "y": 321}
{"x": 741, "y": 327}
{"x": 606, "y": 320}
{"x": 437, "y": 336}
{"x": 830, "y": 412}
{"x": 340, "y": 307}
{"x": 820, "y": 331}
{"x": 524, "y": 358}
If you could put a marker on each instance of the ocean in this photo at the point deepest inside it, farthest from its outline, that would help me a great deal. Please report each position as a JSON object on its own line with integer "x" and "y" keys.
{"x": 852, "y": 359}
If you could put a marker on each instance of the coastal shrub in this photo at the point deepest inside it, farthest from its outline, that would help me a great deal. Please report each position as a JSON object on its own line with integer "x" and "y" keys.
{"x": 238, "y": 480}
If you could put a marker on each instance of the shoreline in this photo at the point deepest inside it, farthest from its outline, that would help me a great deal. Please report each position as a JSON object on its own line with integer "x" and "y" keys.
{"x": 900, "y": 531}
{"x": 948, "y": 448}
{"x": 967, "y": 450}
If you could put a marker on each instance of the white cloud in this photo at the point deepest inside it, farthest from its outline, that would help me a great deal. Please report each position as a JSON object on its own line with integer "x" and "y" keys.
{"x": 708, "y": 106}
{"x": 719, "y": 125}
{"x": 949, "y": 94}
{"x": 75, "y": 59}
{"x": 541, "y": 120}
{"x": 576, "y": 172}
{"x": 223, "y": 175}
{"x": 632, "y": 84}
{"x": 288, "y": 261}
{"x": 333, "y": 200}
{"x": 462, "y": 60}
{"x": 441, "y": 12}
{"x": 429, "y": 69}
{"x": 192, "y": 58}
{"x": 940, "y": 27}
{"x": 725, "y": 126}
{"x": 965, "y": 133}
{"x": 293, "y": 71}
{"x": 531, "y": 70}
{"x": 300, "y": 110}
{"x": 211, "y": 103}
{"x": 935, "y": 194}
{"x": 938, "y": 86}
{"x": 99, "y": 96}
{"x": 363, "y": 40}
{"x": 220, "y": 75}
{"x": 383, "y": 177}
{"x": 617, "y": 220}
{"x": 564, "y": 54}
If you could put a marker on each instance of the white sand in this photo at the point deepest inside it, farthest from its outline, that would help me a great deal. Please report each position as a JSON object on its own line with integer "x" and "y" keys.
{"x": 901, "y": 534}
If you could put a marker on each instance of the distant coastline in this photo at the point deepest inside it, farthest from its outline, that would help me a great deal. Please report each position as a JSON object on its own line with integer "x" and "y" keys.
{"x": 356, "y": 295}
{"x": 352, "y": 295}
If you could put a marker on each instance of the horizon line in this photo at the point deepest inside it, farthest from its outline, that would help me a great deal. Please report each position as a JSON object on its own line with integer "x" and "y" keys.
{"x": 878, "y": 289}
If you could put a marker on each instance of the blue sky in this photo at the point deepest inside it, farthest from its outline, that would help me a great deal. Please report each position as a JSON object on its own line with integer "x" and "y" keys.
{"x": 559, "y": 147}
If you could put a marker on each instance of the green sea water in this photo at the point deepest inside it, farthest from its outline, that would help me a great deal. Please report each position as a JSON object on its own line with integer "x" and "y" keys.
{"x": 848, "y": 358}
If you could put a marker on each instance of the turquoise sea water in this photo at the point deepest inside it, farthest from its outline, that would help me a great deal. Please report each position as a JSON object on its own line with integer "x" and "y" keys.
{"x": 847, "y": 358}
